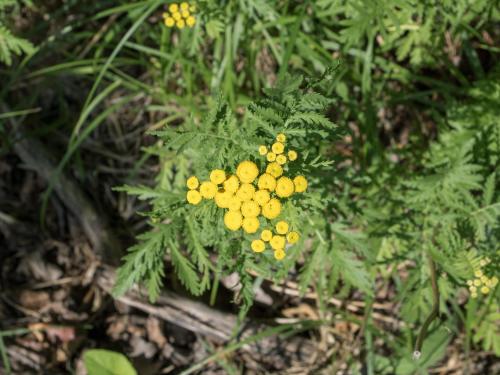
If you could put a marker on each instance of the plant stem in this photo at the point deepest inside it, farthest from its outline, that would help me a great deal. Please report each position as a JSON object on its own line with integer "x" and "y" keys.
{"x": 434, "y": 312}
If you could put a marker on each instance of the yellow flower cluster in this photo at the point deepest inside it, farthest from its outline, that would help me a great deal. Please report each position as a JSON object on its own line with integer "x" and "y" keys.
{"x": 180, "y": 15}
{"x": 276, "y": 241}
{"x": 249, "y": 194}
{"x": 481, "y": 282}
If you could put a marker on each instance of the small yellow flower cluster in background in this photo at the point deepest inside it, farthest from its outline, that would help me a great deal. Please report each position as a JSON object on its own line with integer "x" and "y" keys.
{"x": 180, "y": 15}
{"x": 276, "y": 153}
{"x": 249, "y": 194}
{"x": 481, "y": 282}
{"x": 276, "y": 241}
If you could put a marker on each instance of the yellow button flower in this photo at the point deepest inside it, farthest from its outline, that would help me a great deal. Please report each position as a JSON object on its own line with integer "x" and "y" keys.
{"x": 278, "y": 148}
{"x": 281, "y": 159}
{"x": 250, "y": 224}
{"x": 292, "y": 155}
{"x": 185, "y": 13}
{"x": 485, "y": 290}
{"x": 262, "y": 150}
{"x": 284, "y": 187}
{"x": 271, "y": 156}
{"x": 300, "y": 184}
{"x": 184, "y": 6}
{"x": 193, "y": 197}
{"x": 281, "y": 138}
{"x": 282, "y": 227}
{"x": 222, "y": 199}
{"x": 262, "y": 197}
{"x": 176, "y": 16}
{"x": 180, "y": 24}
{"x": 292, "y": 237}
{"x": 169, "y": 22}
{"x": 478, "y": 273}
{"x": 271, "y": 209}
{"x": 192, "y": 182}
{"x": 190, "y": 21}
{"x": 266, "y": 235}
{"x": 279, "y": 254}
{"x": 192, "y": 8}
{"x": 250, "y": 209}
{"x": 266, "y": 182}
{"x": 247, "y": 171}
{"x": 258, "y": 246}
{"x": 274, "y": 169}
{"x": 494, "y": 281}
{"x": 277, "y": 242}
{"x": 477, "y": 282}
{"x": 246, "y": 192}
{"x": 208, "y": 189}
{"x": 233, "y": 220}
{"x": 173, "y": 8}
{"x": 234, "y": 203}
{"x": 232, "y": 184}
{"x": 217, "y": 176}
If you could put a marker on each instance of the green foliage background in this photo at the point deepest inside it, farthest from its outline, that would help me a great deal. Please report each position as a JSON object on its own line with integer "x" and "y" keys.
{"x": 394, "y": 105}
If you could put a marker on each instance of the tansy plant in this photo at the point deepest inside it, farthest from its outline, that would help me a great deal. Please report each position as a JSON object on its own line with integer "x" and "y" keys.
{"x": 180, "y": 15}
{"x": 243, "y": 194}
{"x": 248, "y": 196}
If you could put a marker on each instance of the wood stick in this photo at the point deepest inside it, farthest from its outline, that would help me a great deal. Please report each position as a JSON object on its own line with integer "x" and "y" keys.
{"x": 218, "y": 326}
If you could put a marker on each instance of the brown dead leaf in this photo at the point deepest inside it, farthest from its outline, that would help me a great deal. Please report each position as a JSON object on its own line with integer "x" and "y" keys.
{"x": 34, "y": 300}
{"x": 153, "y": 327}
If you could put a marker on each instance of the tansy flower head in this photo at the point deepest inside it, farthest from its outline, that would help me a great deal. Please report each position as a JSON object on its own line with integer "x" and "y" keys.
{"x": 222, "y": 199}
{"x": 266, "y": 235}
{"x": 193, "y": 197}
{"x": 262, "y": 150}
{"x": 172, "y": 8}
{"x": 247, "y": 171}
{"x": 281, "y": 159}
{"x": 245, "y": 192}
{"x": 278, "y": 148}
{"x": 251, "y": 224}
{"x": 279, "y": 254}
{"x": 262, "y": 197}
{"x": 485, "y": 290}
{"x": 292, "y": 155}
{"x": 300, "y": 184}
{"x": 180, "y": 24}
{"x": 271, "y": 209}
{"x": 190, "y": 21}
{"x": 233, "y": 220}
{"x": 217, "y": 176}
{"x": 282, "y": 227}
{"x": 271, "y": 156}
{"x": 177, "y": 16}
{"x": 231, "y": 184}
{"x": 192, "y": 182}
{"x": 292, "y": 237}
{"x": 274, "y": 169}
{"x": 266, "y": 182}
{"x": 277, "y": 242}
{"x": 184, "y": 6}
{"x": 169, "y": 22}
{"x": 258, "y": 246}
{"x": 208, "y": 189}
{"x": 250, "y": 209}
{"x": 234, "y": 203}
{"x": 284, "y": 187}
{"x": 281, "y": 138}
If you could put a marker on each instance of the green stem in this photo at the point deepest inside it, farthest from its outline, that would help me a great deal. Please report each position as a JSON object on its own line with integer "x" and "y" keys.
{"x": 434, "y": 312}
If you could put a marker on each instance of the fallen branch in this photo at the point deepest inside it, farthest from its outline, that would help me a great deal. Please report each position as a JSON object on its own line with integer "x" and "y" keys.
{"x": 218, "y": 326}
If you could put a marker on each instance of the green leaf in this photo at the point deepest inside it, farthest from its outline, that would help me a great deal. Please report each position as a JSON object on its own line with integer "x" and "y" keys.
{"x": 107, "y": 362}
